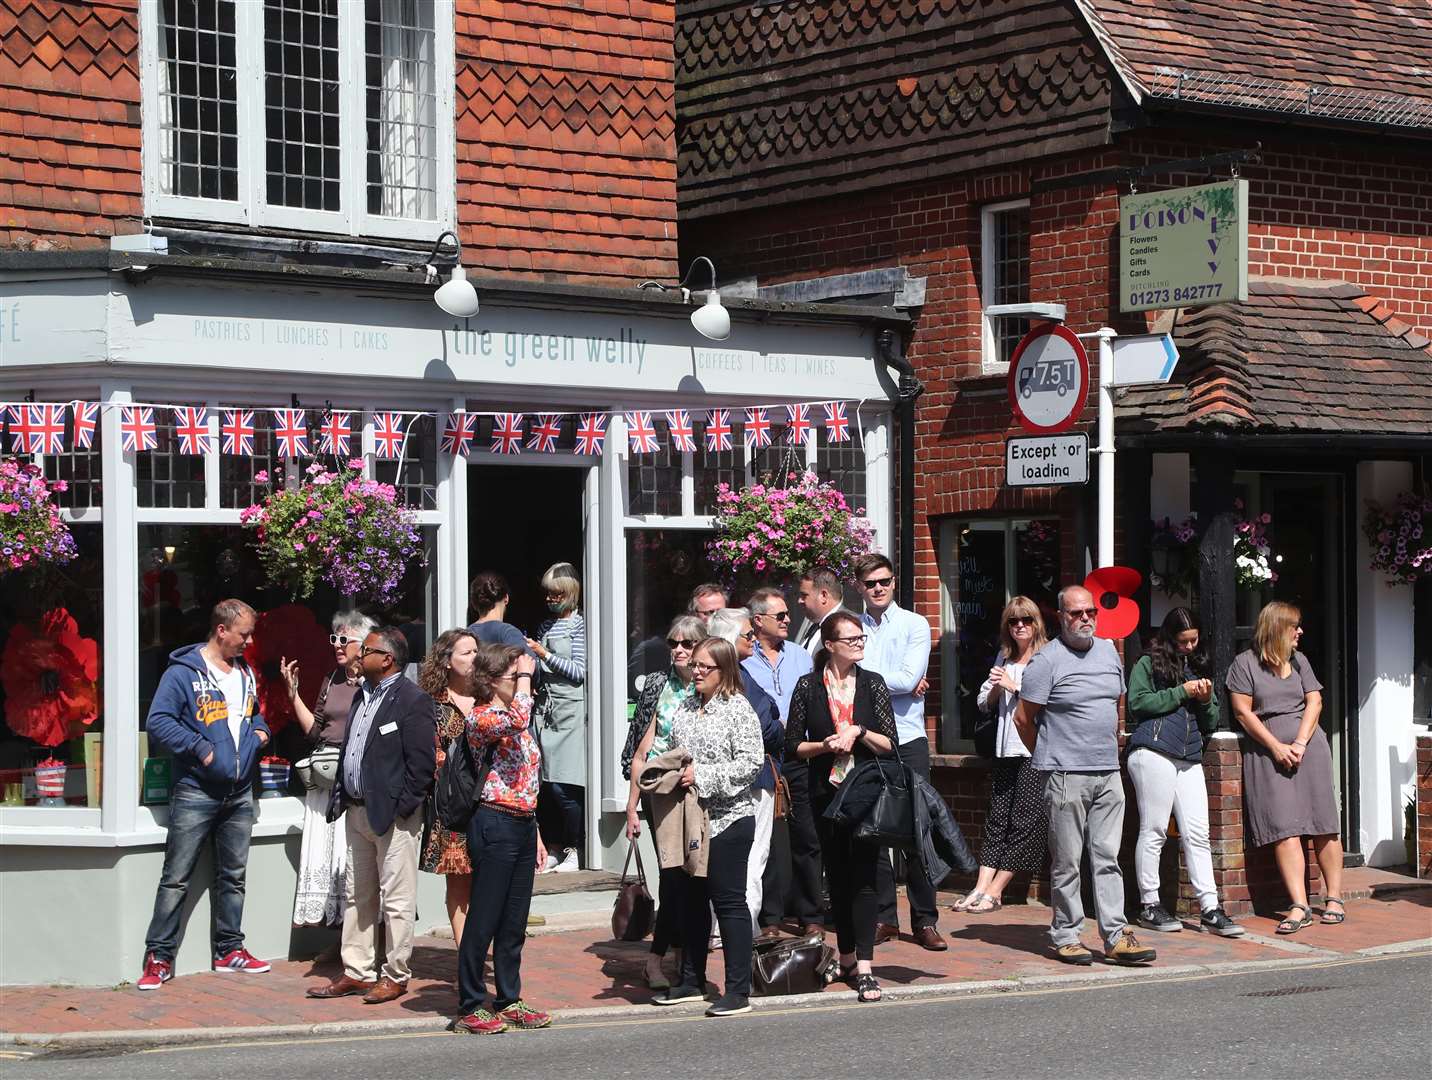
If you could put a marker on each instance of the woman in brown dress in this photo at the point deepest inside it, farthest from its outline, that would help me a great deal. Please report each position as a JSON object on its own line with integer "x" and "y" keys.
{"x": 1288, "y": 764}
{"x": 446, "y": 676}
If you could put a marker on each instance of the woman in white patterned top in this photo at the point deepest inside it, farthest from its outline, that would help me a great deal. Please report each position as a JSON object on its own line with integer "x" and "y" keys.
{"x": 720, "y": 731}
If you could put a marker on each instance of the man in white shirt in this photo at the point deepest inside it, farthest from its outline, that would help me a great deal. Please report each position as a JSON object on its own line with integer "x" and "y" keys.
{"x": 897, "y": 648}
{"x": 820, "y": 594}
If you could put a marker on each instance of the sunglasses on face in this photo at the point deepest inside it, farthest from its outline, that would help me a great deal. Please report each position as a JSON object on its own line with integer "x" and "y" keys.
{"x": 779, "y": 616}
{"x": 749, "y": 635}
{"x": 366, "y": 650}
{"x": 680, "y": 643}
{"x": 341, "y": 639}
{"x": 1076, "y": 615}
{"x": 1021, "y": 620}
{"x": 878, "y": 582}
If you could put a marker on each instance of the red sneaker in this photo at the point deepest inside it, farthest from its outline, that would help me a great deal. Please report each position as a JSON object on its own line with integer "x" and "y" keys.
{"x": 157, "y": 972}
{"x": 240, "y": 960}
{"x": 479, "y": 1022}
{"x": 520, "y": 1015}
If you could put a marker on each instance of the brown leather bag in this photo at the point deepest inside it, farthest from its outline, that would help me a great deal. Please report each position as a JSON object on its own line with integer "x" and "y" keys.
{"x": 634, "y": 910}
{"x": 783, "y": 790}
{"x": 792, "y": 966}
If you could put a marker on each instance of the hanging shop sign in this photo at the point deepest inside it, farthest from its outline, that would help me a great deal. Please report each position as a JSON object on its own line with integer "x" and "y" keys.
{"x": 1048, "y": 380}
{"x": 1047, "y": 462}
{"x": 1184, "y": 248}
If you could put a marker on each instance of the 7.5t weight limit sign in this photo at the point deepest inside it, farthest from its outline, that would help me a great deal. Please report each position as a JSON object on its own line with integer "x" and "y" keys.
{"x": 1048, "y": 380}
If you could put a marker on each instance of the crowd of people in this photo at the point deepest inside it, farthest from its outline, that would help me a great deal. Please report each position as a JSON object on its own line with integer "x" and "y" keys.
{"x": 740, "y": 713}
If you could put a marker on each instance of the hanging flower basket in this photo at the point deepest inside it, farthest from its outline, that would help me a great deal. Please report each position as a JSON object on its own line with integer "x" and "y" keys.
{"x": 781, "y": 532}
{"x": 51, "y": 679}
{"x": 1253, "y": 558}
{"x": 1400, "y": 537}
{"x": 335, "y": 527}
{"x": 32, "y": 535}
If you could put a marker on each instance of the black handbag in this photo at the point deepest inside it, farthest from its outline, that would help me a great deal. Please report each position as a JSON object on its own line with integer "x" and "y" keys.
{"x": 891, "y": 821}
{"x": 792, "y": 966}
{"x": 459, "y": 783}
{"x": 634, "y": 911}
{"x": 985, "y": 733}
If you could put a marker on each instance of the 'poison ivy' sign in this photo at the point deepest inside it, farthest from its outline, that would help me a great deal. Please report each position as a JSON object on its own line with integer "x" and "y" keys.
{"x": 1184, "y": 248}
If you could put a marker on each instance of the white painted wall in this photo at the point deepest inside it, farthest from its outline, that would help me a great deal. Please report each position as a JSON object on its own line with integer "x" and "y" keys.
{"x": 1169, "y": 497}
{"x": 1386, "y": 766}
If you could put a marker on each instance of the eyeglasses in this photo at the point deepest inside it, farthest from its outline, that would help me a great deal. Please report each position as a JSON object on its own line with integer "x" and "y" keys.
{"x": 854, "y": 639}
{"x": 700, "y": 670}
{"x": 878, "y": 582}
{"x": 341, "y": 639}
{"x": 1021, "y": 620}
{"x": 1079, "y": 614}
{"x": 680, "y": 643}
{"x": 364, "y": 650}
{"x": 779, "y": 616}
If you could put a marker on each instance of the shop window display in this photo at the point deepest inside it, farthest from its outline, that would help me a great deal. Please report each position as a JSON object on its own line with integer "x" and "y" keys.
{"x": 51, "y": 628}
{"x": 662, "y": 567}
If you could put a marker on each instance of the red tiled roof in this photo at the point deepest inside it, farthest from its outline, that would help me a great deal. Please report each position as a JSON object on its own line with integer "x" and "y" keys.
{"x": 1365, "y": 60}
{"x": 1310, "y": 356}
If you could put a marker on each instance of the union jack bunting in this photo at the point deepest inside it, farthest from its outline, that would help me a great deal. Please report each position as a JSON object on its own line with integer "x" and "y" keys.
{"x": 718, "y": 430}
{"x": 19, "y": 428}
{"x": 678, "y": 426}
{"x": 592, "y": 434}
{"x": 388, "y": 434}
{"x": 137, "y": 428}
{"x": 797, "y": 424}
{"x": 459, "y": 428}
{"x": 641, "y": 433}
{"x": 507, "y": 433}
{"x": 542, "y": 436}
{"x": 236, "y": 432}
{"x": 758, "y": 429}
{"x": 38, "y": 429}
{"x": 86, "y": 416}
{"x": 191, "y": 426}
{"x": 290, "y": 432}
{"x": 837, "y": 424}
{"x": 335, "y": 434}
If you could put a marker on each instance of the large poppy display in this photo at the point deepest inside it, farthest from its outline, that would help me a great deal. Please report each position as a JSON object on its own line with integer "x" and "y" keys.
{"x": 51, "y": 679}
{"x": 293, "y": 632}
{"x": 1113, "y": 589}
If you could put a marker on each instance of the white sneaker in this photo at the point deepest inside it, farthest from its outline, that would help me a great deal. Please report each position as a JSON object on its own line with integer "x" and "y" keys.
{"x": 549, "y": 865}
{"x": 568, "y": 864}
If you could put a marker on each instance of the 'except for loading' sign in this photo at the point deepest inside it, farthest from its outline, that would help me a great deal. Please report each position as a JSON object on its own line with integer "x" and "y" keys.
{"x": 1052, "y": 461}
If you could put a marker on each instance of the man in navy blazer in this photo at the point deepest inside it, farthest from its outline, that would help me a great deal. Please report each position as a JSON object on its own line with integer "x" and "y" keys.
{"x": 385, "y": 772}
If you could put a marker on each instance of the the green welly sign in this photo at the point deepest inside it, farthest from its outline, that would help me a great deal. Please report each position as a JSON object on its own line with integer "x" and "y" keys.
{"x": 1184, "y": 248}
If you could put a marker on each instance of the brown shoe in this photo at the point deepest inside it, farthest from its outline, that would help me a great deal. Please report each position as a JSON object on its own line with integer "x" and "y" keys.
{"x": 813, "y": 929}
{"x": 886, "y": 932}
{"x": 927, "y": 937}
{"x": 770, "y": 933}
{"x": 386, "y": 990}
{"x": 341, "y": 987}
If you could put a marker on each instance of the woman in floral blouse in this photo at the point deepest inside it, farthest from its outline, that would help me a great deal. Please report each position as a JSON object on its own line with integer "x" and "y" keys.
{"x": 720, "y": 731}
{"x": 502, "y": 843}
{"x": 446, "y": 676}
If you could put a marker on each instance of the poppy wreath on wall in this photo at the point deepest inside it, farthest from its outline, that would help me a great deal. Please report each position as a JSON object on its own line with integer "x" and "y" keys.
{"x": 333, "y": 526}
{"x": 1399, "y": 537}
{"x": 51, "y": 677}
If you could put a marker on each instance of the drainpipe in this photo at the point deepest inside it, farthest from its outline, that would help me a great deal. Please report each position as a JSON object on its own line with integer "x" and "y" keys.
{"x": 889, "y": 349}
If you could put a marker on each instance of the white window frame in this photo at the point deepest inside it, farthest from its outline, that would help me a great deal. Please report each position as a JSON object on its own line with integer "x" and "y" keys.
{"x": 251, "y": 208}
{"x": 990, "y": 363}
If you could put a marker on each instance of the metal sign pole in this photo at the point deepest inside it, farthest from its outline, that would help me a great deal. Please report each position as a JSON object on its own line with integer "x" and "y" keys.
{"x": 1105, "y": 550}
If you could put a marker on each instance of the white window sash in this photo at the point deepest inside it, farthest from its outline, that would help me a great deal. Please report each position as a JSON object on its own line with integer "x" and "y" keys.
{"x": 990, "y": 363}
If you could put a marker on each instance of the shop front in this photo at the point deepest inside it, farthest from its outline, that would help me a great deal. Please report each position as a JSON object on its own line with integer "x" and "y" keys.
{"x": 160, "y": 537}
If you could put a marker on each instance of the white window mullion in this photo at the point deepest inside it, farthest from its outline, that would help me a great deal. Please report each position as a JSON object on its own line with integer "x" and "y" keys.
{"x": 251, "y": 106}
{"x": 352, "y": 121}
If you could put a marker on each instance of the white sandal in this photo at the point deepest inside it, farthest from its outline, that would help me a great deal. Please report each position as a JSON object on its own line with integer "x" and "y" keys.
{"x": 965, "y": 903}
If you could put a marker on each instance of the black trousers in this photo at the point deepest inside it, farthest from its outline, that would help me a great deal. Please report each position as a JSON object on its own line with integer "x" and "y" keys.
{"x": 915, "y": 754}
{"x": 669, "y": 890}
{"x": 850, "y": 868}
{"x": 724, "y": 888}
{"x": 503, "y": 850}
{"x": 792, "y": 882}
{"x": 562, "y": 815}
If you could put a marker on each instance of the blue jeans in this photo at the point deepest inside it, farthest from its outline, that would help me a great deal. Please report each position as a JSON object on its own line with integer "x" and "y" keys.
{"x": 503, "y": 850}
{"x": 194, "y": 817}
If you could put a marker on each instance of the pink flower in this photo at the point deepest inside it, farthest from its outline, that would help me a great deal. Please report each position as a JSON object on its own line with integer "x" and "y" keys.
{"x": 261, "y": 477}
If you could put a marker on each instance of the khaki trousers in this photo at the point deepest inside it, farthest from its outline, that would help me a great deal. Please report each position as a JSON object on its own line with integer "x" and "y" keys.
{"x": 381, "y": 871}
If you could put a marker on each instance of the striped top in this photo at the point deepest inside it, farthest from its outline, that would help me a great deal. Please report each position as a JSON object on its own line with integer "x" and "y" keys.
{"x": 575, "y": 666}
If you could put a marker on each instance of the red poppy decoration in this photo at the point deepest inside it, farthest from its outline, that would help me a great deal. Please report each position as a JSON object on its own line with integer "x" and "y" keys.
{"x": 51, "y": 679}
{"x": 1113, "y": 588}
{"x": 289, "y": 631}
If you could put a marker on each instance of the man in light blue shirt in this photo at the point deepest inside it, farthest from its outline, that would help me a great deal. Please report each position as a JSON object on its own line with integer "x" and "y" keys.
{"x": 775, "y": 663}
{"x": 897, "y": 648}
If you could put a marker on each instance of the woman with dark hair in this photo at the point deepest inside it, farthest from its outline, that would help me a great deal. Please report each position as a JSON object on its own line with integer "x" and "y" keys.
{"x": 446, "y": 676}
{"x": 840, "y": 715}
{"x": 501, "y": 842}
{"x": 1288, "y": 764}
{"x": 1171, "y": 698}
{"x": 720, "y": 732}
{"x": 649, "y": 736}
{"x": 1017, "y": 822}
{"x": 488, "y": 597}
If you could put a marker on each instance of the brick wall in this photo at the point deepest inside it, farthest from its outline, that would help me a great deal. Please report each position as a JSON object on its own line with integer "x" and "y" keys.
{"x": 1424, "y": 807}
{"x": 565, "y": 123}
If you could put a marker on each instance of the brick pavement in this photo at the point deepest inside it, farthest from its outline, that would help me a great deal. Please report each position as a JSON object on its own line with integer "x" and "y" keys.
{"x": 584, "y": 969}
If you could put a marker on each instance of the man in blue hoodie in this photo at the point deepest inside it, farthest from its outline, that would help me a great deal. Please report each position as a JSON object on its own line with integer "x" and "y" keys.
{"x": 205, "y": 713}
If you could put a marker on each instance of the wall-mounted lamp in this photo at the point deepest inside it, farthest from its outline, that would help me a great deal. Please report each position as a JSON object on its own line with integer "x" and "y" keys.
{"x": 711, "y": 319}
{"x": 456, "y": 296}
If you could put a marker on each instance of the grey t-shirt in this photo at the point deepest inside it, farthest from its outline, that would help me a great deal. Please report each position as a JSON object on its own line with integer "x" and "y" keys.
{"x": 1078, "y": 726}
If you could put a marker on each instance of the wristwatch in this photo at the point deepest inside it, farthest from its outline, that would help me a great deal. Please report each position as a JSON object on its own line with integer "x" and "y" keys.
{"x": 860, "y": 732}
